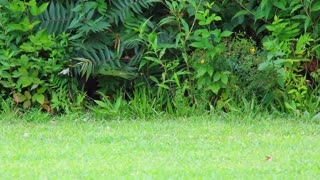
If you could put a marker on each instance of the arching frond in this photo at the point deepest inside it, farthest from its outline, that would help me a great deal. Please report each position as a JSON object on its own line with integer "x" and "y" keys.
{"x": 122, "y": 10}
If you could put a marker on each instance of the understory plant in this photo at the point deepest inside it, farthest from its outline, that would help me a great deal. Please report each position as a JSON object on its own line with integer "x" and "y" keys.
{"x": 179, "y": 56}
{"x": 181, "y": 63}
{"x": 104, "y": 38}
{"x": 31, "y": 59}
{"x": 292, "y": 54}
{"x": 287, "y": 36}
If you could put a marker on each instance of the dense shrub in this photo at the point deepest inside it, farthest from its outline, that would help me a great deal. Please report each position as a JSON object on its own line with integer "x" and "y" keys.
{"x": 179, "y": 54}
{"x": 32, "y": 60}
{"x": 290, "y": 39}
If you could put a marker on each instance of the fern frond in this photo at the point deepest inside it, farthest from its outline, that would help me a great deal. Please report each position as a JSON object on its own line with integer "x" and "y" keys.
{"x": 68, "y": 16}
{"x": 125, "y": 9}
{"x": 83, "y": 67}
{"x": 94, "y": 26}
{"x": 57, "y": 18}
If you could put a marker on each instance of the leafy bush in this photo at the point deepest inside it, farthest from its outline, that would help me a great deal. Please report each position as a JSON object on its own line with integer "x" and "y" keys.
{"x": 175, "y": 56}
{"x": 292, "y": 43}
{"x": 31, "y": 60}
{"x": 287, "y": 32}
{"x": 182, "y": 55}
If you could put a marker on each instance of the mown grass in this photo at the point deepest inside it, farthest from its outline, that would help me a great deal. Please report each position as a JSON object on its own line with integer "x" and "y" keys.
{"x": 209, "y": 147}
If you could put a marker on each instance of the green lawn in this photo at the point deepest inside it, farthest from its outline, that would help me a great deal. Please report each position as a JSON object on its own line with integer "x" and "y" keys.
{"x": 207, "y": 147}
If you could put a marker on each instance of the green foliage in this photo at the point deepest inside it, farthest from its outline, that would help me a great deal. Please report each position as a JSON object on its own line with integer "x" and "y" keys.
{"x": 30, "y": 60}
{"x": 174, "y": 56}
{"x": 141, "y": 104}
{"x": 182, "y": 52}
{"x": 97, "y": 35}
{"x": 208, "y": 44}
{"x": 288, "y": 32}
{"x": 108, "y": 108}
{"x": 121, "y": 11}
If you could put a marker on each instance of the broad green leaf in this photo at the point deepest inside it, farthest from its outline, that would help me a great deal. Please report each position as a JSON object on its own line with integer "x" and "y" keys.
{"x": 175, "y": 76}
{"x": 41, "y": 90}
{"x": 166, "y": 45}
{"x": 210, "y": 19}
{"x": 185, "y": 25}
{"x": 226, "y": 33}
{"x": 36, "y": 11}
{"x": 178, "y": 38}
{"x": 280, "y": 4}
{"x": 162, "y": 52}
{"x": 156, "y": 60}
{"x": 27, "y": 94}
{"x": 102, "y": 6}
{"x": 28, "y": 47}
{"x": 117, "y": 73}
{"x": 210, "y": 70}
{"x": 26, "y": 104}
{"x": 264, "y": 66}
{"x": 281, "y": 81}
{"x": 185, "y": 57}
{"x": 201, "y": 71}
{"x": 215, "y": 88}
{"x": 279, "y": 61}
{"x": 241, "y": 13}
{"x": 19, "y": 97}
{"x": 293, "y": 91}
{"x": 315, "y": 6}
{"x": 74, "y": 24}
{"x": 261, "y": 28}
{"x": 300, "y": 16}
{"x": 224, "y": 78}
{"x": 154, "y": 79}
{"x": 34, "y": 86}
{"x": 163, "y": 86}
{"x": 181, "y": 72}
{"x": 164, "y": 21}
{"x": 294, "y": 2}
{"x": 200, "y": 83}
{"x": 102, "y": 104}
{"x": 24, "y": 25}
{"x": 264, "y": 4}
{"x": 17, "y": 6}
{"x": 297, "y": 7}
{"x": 7, "y": 75}
{"x": 201, "y": 18}
{"x": 216, "y": 76}
{"x": 31, "y": 3}
{"x": 198, "y": 45}
{"x": 25, "y": 81}
{"x": 38, "y": 98}
{"x": 15, "y": 74}
{"x": 291, "y": 106}
{"x": 306, "y": 24}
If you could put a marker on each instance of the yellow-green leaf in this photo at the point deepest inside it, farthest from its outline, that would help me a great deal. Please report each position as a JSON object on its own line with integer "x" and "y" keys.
{"x": 38, "y": 98}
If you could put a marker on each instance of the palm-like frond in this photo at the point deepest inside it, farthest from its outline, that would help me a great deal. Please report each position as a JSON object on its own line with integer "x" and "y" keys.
{"x": 122, "y": 10}
{"x": 99, "y": 34}
{"x": 58, "y": 17}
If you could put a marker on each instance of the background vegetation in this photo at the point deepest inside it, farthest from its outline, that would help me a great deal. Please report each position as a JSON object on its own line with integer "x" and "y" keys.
{"x": 143, "y": 58}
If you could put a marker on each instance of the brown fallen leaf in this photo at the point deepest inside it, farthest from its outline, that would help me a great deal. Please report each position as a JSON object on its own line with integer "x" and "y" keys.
{"x": 269, "y": 158}
{"x": 16, "y": 98}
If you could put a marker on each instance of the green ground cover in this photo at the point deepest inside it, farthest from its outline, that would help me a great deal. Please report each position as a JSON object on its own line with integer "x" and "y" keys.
{"x": 209, "y": 147}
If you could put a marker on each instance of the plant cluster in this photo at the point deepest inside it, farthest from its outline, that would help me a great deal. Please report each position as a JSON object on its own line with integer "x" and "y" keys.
{"x": 31, "y": 60}
{"x": 178, "y": 56}
{"x": 290, "y": 40}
